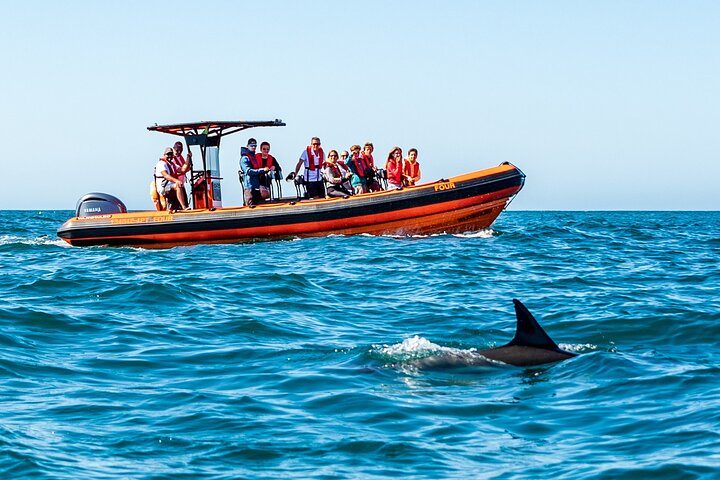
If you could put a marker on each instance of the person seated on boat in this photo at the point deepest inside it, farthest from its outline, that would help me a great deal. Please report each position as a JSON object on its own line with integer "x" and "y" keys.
{"x": 411, "y": 168}
{"x": 357, "y": 168}
{"x": 371, "y": 183}
{"x": 313, "y": 159}
{"x": 157, "y": 199}
{"x": 166, "y": 183}
{"x": 394, "y": 168}
{"x": 264, "y": 159}
{"x": 344, "y": 156}
{"x": 181, "y": 167}
{"x": 336, "y": 176}
{"x": 253, "y": 191}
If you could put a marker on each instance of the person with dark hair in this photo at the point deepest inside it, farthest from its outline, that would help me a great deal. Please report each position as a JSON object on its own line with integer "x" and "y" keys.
{"x": 313, "y": 159}
{"x": 394, "y": 168}
{"x": 411, "y": 168}
{"x": 253, "y": 191}
{"x": 371, "y": 183}
{"x": 264, "y": 159}
{"x": 357, "y": 166}
{"x": 335, "y": 176}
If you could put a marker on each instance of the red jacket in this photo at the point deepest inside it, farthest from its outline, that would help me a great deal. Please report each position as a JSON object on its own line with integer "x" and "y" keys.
{"x": 394, "y": 171}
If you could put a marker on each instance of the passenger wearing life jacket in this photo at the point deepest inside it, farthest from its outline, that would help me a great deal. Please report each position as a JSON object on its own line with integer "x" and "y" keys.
{"x": 371, "y": 183}
{"x": 411, "y": 168}
{"x": 166, "y": 183}
{"x": 265, "y": 160}
{"x": 181, "y": 167}
{"x": 336, "y": 176}
{"x": 357, "y": 166}
{"x": 344, "y": 157}
{"x": 394, "y": 168}
{"x": 313, "y": 159}
{"x": 253, "y": 191}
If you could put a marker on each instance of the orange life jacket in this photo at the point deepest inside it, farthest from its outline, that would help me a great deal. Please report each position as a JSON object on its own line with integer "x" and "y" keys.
{"x": 412, "y": 169}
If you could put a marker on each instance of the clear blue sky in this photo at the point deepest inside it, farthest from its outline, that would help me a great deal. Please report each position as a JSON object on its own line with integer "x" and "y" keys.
{"x": 604, "y": 105}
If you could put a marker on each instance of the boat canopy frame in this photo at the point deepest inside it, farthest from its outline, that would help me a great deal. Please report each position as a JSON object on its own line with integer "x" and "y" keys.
{"x": 208, "y": 134}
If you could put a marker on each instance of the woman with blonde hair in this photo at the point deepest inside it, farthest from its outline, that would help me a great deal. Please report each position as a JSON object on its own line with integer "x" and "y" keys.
{"x": 394, "y": 168}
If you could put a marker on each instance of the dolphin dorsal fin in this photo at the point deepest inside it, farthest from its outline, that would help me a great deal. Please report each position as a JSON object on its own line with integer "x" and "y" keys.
{"x": 529, "y": 333}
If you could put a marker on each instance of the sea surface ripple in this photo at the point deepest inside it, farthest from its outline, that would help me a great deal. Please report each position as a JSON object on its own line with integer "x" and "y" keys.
{"x": 295, "y": 358}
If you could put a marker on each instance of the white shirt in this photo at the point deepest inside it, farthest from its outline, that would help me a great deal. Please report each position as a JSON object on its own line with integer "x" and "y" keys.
{"x": 160, "y": 181}
{"x": 312, "y": 175}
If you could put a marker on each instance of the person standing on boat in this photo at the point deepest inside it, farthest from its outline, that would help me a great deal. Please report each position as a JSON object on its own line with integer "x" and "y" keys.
{"x": 181, "y": 167}
{"x": 394, "y": 168}
{"x": 253, "y": 191}
{"x": 313, "y": 159}
{"x": 336, "y": 176}
{"x": 411, "y": 168}
{"x": 166, "y": 182}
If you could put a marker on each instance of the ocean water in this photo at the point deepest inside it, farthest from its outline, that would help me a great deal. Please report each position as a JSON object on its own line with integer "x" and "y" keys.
{"x": 298, "y": 358}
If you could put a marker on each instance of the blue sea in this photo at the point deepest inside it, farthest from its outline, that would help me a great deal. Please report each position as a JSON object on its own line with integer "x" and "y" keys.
{"x": 298, "y": 358}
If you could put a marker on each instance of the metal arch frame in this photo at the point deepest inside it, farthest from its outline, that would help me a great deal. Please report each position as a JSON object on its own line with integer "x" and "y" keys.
{"x": 208, "y": 133}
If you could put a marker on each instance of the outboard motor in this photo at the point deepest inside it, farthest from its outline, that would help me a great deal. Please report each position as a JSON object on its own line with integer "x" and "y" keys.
{"x": 99, "y": 204}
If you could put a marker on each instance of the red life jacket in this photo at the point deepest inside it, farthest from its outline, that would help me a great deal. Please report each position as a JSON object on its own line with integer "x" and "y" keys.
{"x": 369, "y": 160}
{"x": 360, "y": 165}
{"x": 257, "y": 162}
{"x": 311, "y": 158}
{"x": 412, "y": 169}
{"x": 177, "y": 163}
{"x": 334, "y": 169}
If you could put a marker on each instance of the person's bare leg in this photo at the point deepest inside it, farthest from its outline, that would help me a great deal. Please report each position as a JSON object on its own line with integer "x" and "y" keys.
{"x": 181, "y": 197}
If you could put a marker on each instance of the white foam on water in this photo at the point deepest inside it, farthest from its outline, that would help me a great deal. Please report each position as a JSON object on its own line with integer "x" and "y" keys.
{"x": 42, "y": 240}
{"x": 416, "y": 346}
{"x": 577, "y": 348}
{"x": 486, "y": 233}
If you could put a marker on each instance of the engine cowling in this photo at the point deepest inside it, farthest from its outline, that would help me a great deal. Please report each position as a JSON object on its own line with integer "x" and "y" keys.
{"x": 97, "y": 203}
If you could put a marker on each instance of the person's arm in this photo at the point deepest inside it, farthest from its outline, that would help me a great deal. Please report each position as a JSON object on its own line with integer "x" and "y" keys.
{"x": 246, "y": 166}
{"x": 188, "y": 162}
{"x": 417, "y": 177}
{"x": 330, "y": 177}
{"x": 300, "y": 162}
{"x": 344, "y": 169}
{"x": 170, "y": 178}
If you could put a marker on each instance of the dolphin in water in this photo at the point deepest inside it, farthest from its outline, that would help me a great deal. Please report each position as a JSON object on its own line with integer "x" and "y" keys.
{"x": 530, "y": 346}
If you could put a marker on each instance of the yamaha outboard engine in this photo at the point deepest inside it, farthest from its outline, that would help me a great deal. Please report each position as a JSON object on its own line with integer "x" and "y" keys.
{"x": 99, "y": 204}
